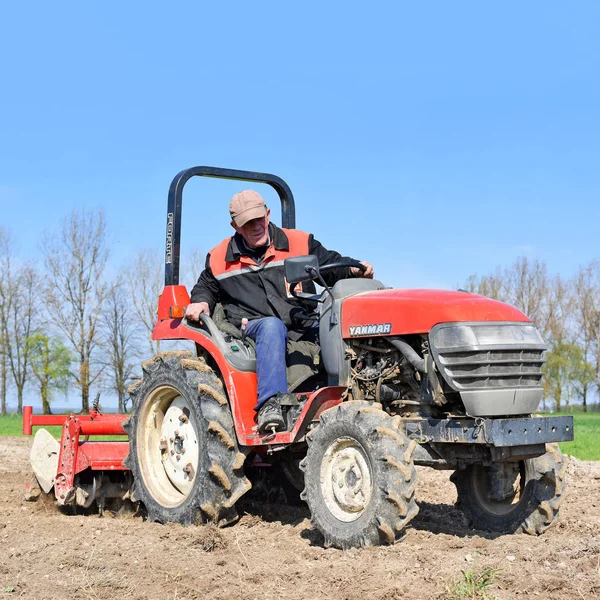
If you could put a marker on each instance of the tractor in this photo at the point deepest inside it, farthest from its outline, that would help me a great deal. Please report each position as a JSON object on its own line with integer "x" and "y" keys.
{"x": 400, "y": 378}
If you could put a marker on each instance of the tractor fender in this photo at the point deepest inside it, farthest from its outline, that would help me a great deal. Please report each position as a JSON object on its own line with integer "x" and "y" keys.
{"x": 241, "y": 385}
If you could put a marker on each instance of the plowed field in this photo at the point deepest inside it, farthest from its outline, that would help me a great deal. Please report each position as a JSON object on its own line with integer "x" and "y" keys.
{"x": 272, "y": 553}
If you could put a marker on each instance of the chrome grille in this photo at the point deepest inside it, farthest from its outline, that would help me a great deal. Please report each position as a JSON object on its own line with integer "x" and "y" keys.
{"x": 488, "y": 355}
{"x": 491, "y": 368}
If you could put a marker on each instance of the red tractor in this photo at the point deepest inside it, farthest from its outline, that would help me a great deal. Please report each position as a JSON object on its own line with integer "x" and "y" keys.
{"x": 402, "y": 377}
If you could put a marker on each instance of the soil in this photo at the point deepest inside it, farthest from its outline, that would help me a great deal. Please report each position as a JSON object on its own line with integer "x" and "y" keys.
{"x": 272, "y": 553}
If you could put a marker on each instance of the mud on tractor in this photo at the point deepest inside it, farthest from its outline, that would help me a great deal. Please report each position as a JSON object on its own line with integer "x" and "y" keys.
{"x": 444, "y": 379}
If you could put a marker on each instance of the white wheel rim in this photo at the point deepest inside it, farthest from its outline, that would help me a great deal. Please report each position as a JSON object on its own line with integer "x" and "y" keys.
{"x": 167, "y": 446}
{"x": 182, "y": 449}
{"x": 346, "y": 479}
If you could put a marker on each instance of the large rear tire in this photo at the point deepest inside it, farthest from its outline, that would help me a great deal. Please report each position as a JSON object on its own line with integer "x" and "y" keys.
{"x": 359, "y": 476}
{"x": 533, "y": 504}
{"x": 183, "y": 452}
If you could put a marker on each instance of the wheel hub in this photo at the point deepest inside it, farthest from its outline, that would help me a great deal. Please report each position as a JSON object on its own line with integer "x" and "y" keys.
{"x": 502, "y": 480}
{"x": 346, "y": 480}
{"x": 351, "y": 478}
{"x": 498, "y": 489}
{"x": 179, "y": 445}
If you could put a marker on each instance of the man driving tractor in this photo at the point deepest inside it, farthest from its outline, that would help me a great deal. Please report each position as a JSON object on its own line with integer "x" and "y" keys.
{"x": 245, "y": 273}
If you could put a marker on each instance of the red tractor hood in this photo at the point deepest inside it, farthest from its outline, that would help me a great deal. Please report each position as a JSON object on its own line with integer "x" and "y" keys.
{"x": 401, "y": 312}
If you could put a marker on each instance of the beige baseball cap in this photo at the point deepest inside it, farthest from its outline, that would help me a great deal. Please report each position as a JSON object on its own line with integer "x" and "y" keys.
{"x": 245, "y": 206}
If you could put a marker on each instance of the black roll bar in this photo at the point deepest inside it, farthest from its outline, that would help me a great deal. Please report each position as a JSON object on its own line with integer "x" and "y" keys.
{"x": 288, "y": 209}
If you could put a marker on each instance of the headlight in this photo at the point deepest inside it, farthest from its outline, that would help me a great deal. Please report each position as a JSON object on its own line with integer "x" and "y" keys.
{"x": 488, "y": 335}
{"x": 492, "y": 334}
{"x": 455, "y": 336}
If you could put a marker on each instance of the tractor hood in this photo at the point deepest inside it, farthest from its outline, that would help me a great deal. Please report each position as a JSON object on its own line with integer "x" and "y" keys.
{"x": 402, "y": 312}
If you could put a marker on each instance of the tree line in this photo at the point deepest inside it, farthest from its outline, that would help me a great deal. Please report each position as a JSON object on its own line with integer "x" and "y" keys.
{"x": 566, "y": 311}
{"x": 65, "y": 324}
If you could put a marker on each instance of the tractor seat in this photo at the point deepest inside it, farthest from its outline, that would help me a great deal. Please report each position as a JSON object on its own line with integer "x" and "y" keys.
{"x": 301, "y": 357}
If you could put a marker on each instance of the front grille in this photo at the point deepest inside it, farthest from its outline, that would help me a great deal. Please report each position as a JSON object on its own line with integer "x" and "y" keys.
{"x": 491, "y": 368}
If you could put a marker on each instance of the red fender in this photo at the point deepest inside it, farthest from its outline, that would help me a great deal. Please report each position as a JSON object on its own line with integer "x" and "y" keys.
{"x": 241, "y": 386}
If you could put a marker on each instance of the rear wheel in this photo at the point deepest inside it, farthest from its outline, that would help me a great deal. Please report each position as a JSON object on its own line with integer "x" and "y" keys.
{"x": 526, "y": 497}
{"x": 183, "y": 453}
{"x": 359, "y": 476}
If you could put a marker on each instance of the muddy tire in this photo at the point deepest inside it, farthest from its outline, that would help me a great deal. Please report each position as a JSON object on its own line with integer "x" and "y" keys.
{"x": 539, "y": 488}
{"x": 359, "y": 477}
{"x": 183, "y": 451}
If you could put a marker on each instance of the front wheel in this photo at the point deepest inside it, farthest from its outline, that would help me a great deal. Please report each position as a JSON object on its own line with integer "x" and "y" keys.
{"x": 510, "y": 497}
{"x": 359, "y": 477}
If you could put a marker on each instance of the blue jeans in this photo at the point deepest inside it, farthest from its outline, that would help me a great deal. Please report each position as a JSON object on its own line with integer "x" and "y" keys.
{"x": 270, "y": 335}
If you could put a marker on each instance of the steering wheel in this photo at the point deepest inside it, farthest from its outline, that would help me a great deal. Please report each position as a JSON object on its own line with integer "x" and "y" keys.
{"x": 338, "y": 265}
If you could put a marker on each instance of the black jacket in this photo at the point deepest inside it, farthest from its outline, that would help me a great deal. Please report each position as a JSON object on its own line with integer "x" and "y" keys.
{"x": 254, "y": 290}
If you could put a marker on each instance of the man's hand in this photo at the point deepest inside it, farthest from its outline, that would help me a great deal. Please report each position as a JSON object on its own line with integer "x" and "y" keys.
{"x": 193, "y": 311}
{"x": 368, "y": 273}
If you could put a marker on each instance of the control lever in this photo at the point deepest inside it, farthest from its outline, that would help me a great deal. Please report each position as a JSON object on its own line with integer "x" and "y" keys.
{"x": 244, "y": 323}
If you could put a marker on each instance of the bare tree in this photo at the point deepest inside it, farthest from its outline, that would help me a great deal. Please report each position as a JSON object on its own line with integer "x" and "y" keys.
{"x": 527, "y": 282}
{"x": 6, "y": 302}
{"x": 20, "y": 327}
{"x": 194, "y": 266}
{"x": 587, "y": 317}
{"x": 492, "y": 286}
{"x": 561, "y": 339}
{"x": 524, "y": 284}
{"x": 120, "y": 336}
{"x": 145, "y": 281}
{"x": 559, "y": 306}
{"x": 75, "y": 260}
{"x": 3, "y": 371}
{"x": 595, "y": 321}
{"x": 548, "y": 302}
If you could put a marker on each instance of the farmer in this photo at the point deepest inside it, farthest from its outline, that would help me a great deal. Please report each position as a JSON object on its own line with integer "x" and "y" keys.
{"x": 245, "y": 274}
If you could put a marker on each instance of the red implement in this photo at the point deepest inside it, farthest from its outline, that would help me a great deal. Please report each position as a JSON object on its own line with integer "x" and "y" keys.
{"x": 75, "y": 454}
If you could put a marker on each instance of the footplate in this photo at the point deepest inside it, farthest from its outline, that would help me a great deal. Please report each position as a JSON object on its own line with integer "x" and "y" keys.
{"x": 498, "y": 433}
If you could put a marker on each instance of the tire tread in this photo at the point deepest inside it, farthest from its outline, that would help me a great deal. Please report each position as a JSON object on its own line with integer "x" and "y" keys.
{"x": 224, "y": 481}
{"x": 392, "y": 503}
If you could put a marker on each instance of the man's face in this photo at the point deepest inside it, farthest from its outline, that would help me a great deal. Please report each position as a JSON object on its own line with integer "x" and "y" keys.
{"x": 255, "y": 231}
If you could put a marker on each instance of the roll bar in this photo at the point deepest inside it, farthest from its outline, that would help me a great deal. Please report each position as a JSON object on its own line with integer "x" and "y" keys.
{"x": 288, "y": 210}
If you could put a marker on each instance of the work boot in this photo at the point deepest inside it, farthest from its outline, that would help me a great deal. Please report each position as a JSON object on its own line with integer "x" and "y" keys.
{"x": 270, "y": 417}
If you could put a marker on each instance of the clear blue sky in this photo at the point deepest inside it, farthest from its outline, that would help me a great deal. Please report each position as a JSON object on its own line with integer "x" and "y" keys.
{"x": 434, "y": 139}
